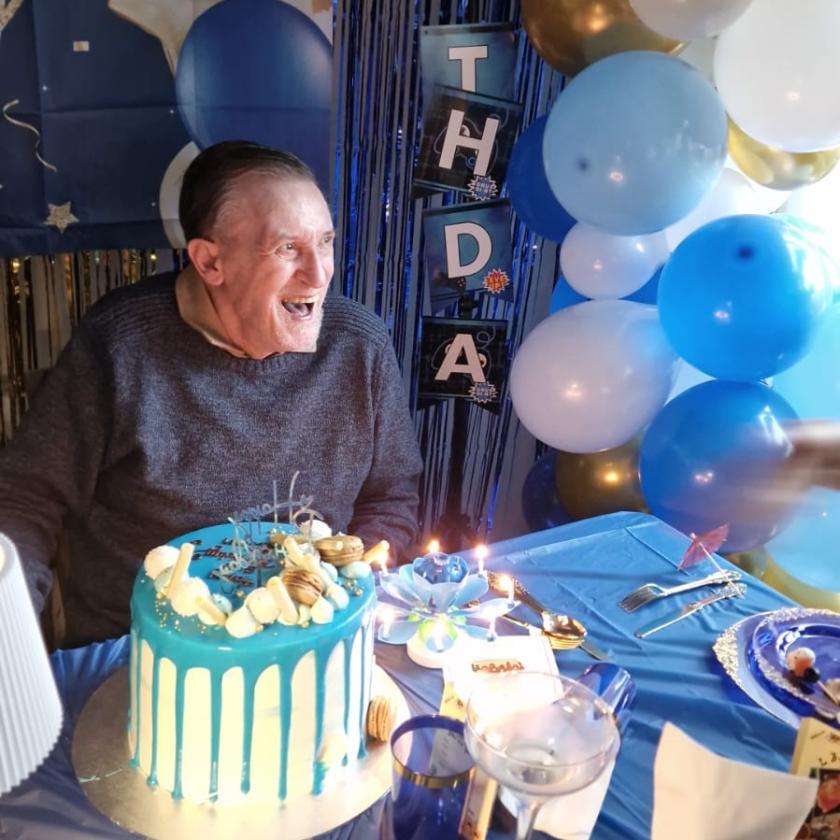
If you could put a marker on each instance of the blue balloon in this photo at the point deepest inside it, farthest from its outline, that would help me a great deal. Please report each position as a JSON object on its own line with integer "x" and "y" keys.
{"x": 742, "y": 297}
{"x": 539, "y": 496}
{"x": 258, "y": 70}
{"x": 563, "y": 295}
{"x": 713, "y": 456}
{"x": 634, "y": 142}
{"x": 529, "y": 192}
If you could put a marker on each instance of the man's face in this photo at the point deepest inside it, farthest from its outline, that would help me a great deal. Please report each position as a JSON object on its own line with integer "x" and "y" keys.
{"x": 275, "y": 256}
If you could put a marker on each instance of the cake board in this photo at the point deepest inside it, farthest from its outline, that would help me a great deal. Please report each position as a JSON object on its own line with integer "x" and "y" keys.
{"x": 101, "y": 761}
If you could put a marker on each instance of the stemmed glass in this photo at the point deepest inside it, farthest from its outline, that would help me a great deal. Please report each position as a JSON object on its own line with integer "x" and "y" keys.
{"x": 539, "y": 736}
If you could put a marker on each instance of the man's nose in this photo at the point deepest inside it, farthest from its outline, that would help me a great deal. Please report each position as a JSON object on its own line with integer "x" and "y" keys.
{"x": 316, "y": 269}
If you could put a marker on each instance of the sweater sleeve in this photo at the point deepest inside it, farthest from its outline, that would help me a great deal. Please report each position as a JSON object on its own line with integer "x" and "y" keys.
{"x": 49, "y": 469}
{"x": 386, "y": 507}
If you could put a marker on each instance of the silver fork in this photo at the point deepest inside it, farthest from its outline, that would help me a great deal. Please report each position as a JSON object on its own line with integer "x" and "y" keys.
{"x": 648, "y": 592}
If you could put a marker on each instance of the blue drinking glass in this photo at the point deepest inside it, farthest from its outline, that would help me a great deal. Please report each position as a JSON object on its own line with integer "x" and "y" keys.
{"x": 431, "y": 773}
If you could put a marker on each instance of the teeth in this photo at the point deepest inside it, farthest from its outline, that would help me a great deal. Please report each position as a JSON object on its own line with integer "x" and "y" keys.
{"x": 299, "y": 300}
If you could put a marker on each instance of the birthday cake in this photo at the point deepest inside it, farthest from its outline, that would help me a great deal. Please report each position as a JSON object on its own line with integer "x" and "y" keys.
{"x": 251, "y": 662}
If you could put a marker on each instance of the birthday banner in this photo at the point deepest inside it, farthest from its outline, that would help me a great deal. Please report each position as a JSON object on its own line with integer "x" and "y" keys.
{"x": 104, "y": 103}
{"x": 467, "y": 249}
{"x": 462, "y": 358}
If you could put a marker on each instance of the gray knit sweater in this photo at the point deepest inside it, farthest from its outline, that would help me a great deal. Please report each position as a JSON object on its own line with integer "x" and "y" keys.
{"x": 143, "y": 430}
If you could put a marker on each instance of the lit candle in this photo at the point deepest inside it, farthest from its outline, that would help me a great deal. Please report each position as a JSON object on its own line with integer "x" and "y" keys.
{"x": 433, "y": 547}
{"x": 386, "y": 617}
{"x": 506, "y": 583}
{"x": 481, "y": 552}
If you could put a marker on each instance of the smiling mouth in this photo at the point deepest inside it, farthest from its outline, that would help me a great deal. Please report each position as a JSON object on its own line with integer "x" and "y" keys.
{"x": 299, "y": 307}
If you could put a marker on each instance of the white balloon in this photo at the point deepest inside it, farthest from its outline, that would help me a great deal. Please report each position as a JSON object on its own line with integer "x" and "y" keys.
{"x": 688, "y": 19}
{"x": 593, "y": 375}
{"x": 776, "y": 70}
{"x": 766, "y": 199}
{"x": 597, "y": 264}
{"x": 732, "y": 195}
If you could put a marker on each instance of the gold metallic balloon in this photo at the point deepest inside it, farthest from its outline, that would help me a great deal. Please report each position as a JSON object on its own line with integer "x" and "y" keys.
{"x": 599, "y": 482}
{"x": 572, "y": 34}
{"x": 775, "y": 168}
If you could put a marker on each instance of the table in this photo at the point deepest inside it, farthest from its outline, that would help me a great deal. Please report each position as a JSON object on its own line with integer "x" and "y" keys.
{"x": 582, "y": 569}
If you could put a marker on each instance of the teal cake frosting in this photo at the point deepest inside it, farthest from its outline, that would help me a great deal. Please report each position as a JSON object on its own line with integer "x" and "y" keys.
{"x": 159, "y": 634}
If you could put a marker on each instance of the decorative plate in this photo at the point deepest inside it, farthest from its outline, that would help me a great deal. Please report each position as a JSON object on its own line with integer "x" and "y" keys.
{"x": 731, "y": 651}
{"x": 785, "y": 630}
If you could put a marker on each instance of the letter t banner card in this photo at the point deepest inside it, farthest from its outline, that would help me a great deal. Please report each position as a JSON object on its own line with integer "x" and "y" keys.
{"x": 460, "y": 358}
{"x": 476, "y": 57}
{"x": 467, "y": 249}
{"x": 467, "y": 142}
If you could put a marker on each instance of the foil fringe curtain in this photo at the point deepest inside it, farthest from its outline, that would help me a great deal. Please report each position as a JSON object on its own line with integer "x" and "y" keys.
{"x": 41, "y": 301}
{"x": 378, "y": 77}
{"x": 379, "y": 252}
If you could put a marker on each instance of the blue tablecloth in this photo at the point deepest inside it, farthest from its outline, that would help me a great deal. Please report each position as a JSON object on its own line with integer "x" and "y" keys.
{"x": 582, "y": 569}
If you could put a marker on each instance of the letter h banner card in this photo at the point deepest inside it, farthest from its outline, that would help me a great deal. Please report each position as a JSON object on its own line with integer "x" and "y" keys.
{"x": 467, "y": 142}
{"x": 460, "y": 358}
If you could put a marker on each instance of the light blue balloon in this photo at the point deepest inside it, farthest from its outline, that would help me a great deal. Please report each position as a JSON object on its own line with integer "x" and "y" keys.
{"x": 634, "y": 142}
{"x": 712, "y": 456}
{"x": 812, "y": 385}
{"x": 742, "y": 297}
{"x": 804, "y": 549}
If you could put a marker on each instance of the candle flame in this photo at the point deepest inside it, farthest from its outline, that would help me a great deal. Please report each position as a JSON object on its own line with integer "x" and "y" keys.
{"x": 481, "y": 551}
{"x": 506, "y": 584}
{"x": 434, "y": 546}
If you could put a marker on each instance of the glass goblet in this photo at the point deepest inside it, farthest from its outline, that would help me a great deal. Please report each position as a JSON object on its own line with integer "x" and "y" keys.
{"x": 539, "y": 736}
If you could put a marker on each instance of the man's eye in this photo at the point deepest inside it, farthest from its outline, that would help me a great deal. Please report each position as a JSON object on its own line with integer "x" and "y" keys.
{"x": 287, "y": 249}
{"x": 327, "y": 241}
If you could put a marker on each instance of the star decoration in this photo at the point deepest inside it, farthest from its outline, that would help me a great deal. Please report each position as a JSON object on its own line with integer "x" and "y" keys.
{"x": 60, "y": 216}
{"x": 482, "y": 188}
{"x": 496, "y": 281}
{"x": 483, "y": 392}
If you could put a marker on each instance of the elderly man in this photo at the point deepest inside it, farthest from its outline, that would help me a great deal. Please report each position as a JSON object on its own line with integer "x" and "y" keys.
{"x": 179, "y": 401}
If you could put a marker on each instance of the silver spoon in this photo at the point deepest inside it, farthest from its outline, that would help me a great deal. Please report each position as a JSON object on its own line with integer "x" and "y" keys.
{"x": 554, "y": 624}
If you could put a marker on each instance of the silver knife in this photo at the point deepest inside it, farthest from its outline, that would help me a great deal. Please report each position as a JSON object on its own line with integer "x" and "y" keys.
{"x": 732, "y": 591}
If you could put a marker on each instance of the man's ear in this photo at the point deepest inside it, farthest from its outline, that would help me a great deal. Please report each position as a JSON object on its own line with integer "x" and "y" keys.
{"x": 204, "y": 256}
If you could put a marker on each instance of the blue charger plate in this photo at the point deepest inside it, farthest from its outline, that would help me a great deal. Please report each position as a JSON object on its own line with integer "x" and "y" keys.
{"x": 783, "y": 631}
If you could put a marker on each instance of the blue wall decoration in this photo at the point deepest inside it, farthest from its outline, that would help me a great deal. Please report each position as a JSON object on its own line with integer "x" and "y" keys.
{"x": 96, "y": 122}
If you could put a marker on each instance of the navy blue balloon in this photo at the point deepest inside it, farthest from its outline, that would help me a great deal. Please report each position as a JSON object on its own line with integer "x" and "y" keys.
{"x": 258, "y": 70}
{"x": 528, "y": 188}
{"x": 563, "y": 295}
{"x": 742, "y": 297}
{"x": 539, "y": 496}
{"x": 712, "y": 456}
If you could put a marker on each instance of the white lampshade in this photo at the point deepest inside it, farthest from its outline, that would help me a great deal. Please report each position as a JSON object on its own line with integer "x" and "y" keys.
{"x": 30, "y": 708}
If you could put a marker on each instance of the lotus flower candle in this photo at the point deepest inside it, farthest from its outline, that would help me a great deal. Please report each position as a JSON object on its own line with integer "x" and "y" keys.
{"x": 436, "y": 590}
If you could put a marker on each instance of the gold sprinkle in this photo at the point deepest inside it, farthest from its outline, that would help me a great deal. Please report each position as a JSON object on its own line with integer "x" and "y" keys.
{"x": 357, "y": 592}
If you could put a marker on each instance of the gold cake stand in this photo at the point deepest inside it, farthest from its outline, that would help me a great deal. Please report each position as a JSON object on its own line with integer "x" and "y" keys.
{"x": 101, "y": 761}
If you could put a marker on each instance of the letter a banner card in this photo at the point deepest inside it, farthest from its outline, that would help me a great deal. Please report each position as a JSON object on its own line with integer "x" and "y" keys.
{"x": 467, "y": 249}
{"x": 467, "y": 142}
{"x": 460, "y": 358}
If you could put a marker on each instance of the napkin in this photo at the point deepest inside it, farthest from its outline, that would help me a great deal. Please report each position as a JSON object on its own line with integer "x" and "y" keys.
{"x": 697, "y": 795}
